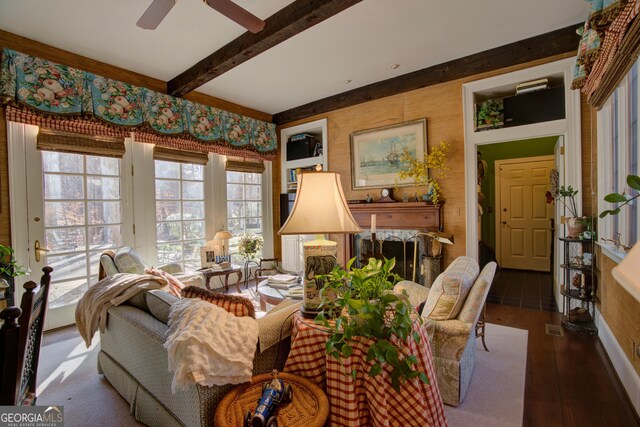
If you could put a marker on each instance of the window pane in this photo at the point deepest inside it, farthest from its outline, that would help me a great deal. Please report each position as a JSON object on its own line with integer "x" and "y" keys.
{"x": 192, "y": 250}
{"x": 99, "y": 188}
{"x": 103, "y": 237}
{"x": 193, "y": 210}
{"x": 167, "y": 190}
{"x": 61, "y": 162}
{"x": 167, "y": 169}
{"x": 253, "y": 178}
{"x": 252, "y": 209}
{"x": 236, "y": 226}
{"x": 68, "y": 266}
{"x": 104, "y": 212}
{"x": 169, "y": 231}
{"x": 63, "y": 187}
{"x": 167, "y": 211}
{"x": 192, "y": 171}
{"x": 97, "y": 165}
{"x": 235, "y": 191}
{"x": 65, "y": 239}
{"x": 58, "y": 214}
{"x": 193, "y": 230}
{"x": 235, "y": 177}
{"x": 235, "y": 209}
{"x": 253, "y": 192}
{"x": 169, "y": 252}
{"x": 254, "y": 225}
{"x": 193, "y": 190}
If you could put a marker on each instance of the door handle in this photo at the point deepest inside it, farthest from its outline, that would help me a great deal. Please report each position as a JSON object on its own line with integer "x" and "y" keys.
{"x": 38, "y": 250}
{"x": 504, "y": 222}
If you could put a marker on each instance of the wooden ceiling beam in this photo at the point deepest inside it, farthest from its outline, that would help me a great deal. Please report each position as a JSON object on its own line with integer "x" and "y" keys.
{"x": 549, "y": 44}
{"x": 284, "y": 24}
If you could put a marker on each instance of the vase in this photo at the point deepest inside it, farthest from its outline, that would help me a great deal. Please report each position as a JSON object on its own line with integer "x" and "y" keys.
{"x": 575, "y": 226}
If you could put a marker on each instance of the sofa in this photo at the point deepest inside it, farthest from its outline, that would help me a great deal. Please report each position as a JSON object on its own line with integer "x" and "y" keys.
{"x": 128, "y": 260}
{"x": 452, "y": 307}
{"x": 132, "y": 358}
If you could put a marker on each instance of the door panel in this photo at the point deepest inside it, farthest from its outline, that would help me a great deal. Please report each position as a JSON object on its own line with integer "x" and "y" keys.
{"x": 524, "y": 215}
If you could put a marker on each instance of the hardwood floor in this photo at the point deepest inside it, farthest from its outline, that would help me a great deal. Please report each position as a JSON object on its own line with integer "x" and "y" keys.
{"x": 569, "y": 380}
{"x": 523, "y": 288}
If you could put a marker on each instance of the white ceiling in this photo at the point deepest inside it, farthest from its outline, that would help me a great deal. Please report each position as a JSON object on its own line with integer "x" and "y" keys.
{"x": 359, "y": 44}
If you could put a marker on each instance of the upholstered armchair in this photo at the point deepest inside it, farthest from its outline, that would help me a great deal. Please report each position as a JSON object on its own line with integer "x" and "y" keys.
{"x": 127, "y": 260}
{"x": 451, "y": 311}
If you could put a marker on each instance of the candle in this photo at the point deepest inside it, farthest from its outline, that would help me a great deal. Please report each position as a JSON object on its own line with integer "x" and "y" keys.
{"x": 373, "y": 223}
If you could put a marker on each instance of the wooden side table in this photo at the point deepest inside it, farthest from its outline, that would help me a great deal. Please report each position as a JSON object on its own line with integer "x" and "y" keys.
{"x": 309, "y": 408}
{"x": 209, "y": 273}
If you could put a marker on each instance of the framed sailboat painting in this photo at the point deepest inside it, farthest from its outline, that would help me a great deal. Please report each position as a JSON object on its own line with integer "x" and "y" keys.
{"x": 378, "y": 155}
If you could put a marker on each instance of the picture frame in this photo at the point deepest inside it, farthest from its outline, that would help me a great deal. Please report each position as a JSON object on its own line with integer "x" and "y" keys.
{"x": 376, "y": 153}
{"x": 207, "y": 256}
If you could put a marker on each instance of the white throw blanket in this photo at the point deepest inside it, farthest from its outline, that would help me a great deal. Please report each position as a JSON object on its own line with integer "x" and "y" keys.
{"x": 91, "y": 311}
{"x": 209, "y": 346}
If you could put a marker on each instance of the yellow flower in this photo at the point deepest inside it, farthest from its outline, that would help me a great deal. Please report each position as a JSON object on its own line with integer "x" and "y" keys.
{"x": 419, "y": 170}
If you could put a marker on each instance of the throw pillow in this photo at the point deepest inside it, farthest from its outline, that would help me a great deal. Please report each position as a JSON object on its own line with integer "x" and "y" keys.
{"x": 128, "y": 261}
{"x": 450, "y": 289}
{"x": 236, "y": 305}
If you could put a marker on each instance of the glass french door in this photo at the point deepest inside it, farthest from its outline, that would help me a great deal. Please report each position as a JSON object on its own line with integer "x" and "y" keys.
{"x": 75, "y": 205}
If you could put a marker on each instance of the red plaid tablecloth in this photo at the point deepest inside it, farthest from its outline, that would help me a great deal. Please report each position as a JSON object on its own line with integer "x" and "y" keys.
{"x": 366, "y": 400}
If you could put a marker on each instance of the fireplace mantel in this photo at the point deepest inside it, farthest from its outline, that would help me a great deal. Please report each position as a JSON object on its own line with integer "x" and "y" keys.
{"x": 420, "y": 216}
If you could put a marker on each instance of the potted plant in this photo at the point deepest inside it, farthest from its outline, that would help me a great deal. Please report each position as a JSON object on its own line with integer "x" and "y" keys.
{"x": 576, "y": 224}
{"x": 490, "y": 114}
{"x": 9, "y": 269}
{"x": 362, "y": 303}
{"x": 426, "y": 171}
{"x": 633, "y": 181}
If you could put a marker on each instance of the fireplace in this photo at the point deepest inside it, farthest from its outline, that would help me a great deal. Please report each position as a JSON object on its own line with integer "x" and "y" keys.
{"x": 397, "y": 225}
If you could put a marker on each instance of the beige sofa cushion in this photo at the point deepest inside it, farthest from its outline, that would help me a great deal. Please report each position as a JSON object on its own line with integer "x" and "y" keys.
{"x": 128, "y": 261}
{"x": 450, "y": 289}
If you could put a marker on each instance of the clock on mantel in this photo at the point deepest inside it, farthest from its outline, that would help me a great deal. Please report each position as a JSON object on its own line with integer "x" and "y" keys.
{"x": 386, "y": 196}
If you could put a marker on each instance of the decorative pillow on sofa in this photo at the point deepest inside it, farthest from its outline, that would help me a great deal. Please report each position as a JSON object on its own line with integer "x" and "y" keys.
{"x": 238, "y": 306}
{"x": 128, "y": 261}
{"x": 450, "y": 289}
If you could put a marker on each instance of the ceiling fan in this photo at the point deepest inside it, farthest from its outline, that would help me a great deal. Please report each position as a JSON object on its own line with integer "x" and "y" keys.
{"x": 160, "y": 8}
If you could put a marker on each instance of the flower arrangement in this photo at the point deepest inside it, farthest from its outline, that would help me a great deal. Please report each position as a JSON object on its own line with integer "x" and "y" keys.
{"x": 427, "y": 171}
{"x": 249, "y": 244}
{"x": 566, "y": 196}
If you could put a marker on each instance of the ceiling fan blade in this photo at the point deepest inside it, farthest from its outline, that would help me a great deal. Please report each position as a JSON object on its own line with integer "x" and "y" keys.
{"x": 238, "y": 14}
{"x": 152, "y": 17}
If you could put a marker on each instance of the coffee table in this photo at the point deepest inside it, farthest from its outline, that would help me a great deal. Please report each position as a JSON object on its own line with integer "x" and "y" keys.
{"x": 269, "y": 295}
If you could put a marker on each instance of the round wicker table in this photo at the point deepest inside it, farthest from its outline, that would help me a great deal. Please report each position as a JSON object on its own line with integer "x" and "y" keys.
{"x": 309, "y": 408}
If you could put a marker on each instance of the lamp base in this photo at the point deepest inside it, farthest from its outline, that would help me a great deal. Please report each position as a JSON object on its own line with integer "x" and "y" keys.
{"x": 309, "y": 313}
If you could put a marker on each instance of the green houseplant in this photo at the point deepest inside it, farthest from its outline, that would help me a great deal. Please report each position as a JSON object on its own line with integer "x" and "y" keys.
{"x": 249, "y": 244}
{"x": 490, "y": 114}
{"x": 576, "y": 224}
{"x": 633, "y": 181}
{"x": 9, "y": 269}
{"x": 362, "y": 303}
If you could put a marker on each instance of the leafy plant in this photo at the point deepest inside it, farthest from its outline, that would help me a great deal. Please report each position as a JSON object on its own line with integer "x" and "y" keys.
{"x": 362, "y": 302}
{"x": 249, "y": 244}
{"x": 490, "y": 112}
{"x": 8, "y": 265}
{"x": 427, "y": 171}
{"x": 566, "y": 196}
{"x": 633, "y": 181}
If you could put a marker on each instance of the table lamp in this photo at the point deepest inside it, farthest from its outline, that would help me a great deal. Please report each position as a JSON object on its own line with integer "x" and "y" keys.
{"x": 627, "y": 273}
{"x": 320, "y": 208}
{"x": 223, "y": 235}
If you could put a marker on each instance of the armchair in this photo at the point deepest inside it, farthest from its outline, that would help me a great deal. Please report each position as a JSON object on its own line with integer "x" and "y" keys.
{"x": 453, "y": 335}
{"x": 127, "y": 260}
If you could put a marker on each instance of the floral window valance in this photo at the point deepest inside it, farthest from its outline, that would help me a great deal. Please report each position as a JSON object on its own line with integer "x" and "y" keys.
{"x": 54, "y": 91}
{"x": 609, "y": 45}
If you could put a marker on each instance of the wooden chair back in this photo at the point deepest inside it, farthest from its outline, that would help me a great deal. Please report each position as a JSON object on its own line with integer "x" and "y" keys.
{"x": 34, "y": 301}
{"x": 266, "y": 267}
{"x": 9, "y": 344}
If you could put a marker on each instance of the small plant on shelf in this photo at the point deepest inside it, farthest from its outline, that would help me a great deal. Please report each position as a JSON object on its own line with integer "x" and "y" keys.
{"x": 490, "y": 114}
{"x": 576, "y": 224}
{"x": 362, "y": 303}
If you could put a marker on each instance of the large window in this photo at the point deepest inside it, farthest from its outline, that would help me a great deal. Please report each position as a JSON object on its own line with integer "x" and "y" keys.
{"x": 180, "y": 212}
{"x": 82, "y": 217}
{"x": 244, "y": 206}
{"x": 618, "y": 157}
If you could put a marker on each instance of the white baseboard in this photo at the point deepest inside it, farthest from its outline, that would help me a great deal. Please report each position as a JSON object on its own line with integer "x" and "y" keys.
{"x": 625, "y": 370}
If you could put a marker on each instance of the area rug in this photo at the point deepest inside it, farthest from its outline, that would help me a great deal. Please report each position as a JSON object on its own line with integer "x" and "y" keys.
{"x": 68, "y": 376}
{"x": 496, "y": 393}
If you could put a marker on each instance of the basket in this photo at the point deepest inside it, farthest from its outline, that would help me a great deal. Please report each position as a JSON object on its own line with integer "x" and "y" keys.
{"x": 309, "y": 407}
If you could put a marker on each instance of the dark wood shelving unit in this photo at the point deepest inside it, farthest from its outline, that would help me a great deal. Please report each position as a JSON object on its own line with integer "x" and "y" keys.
{"x": 579, "y": 287}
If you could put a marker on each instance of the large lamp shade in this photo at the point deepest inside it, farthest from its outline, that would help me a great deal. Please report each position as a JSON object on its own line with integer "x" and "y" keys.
{"x": 627, "y": 273}
{"x": 319, "y": 208}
